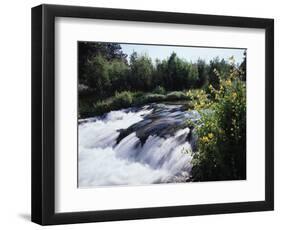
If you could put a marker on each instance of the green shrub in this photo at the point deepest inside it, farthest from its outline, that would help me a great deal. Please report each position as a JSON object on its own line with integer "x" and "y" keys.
{"x": 122, "y": 100}
{"x": 102, "y": 107}
{"x": 222, "y": 134}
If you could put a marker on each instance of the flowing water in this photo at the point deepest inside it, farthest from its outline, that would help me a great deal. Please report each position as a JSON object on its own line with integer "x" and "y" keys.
{"x": 135, "y": 146}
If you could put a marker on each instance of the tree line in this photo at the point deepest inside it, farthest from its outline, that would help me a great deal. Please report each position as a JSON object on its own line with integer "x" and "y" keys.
{"x": 105, "y": 70}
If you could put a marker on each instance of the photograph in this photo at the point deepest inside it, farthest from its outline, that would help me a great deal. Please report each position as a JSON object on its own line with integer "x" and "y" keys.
{"x": 153, "y": 114}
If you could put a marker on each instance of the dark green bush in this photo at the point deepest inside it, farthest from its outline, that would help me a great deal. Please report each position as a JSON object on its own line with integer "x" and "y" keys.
{"x": 102, "y": 107}
{"x": 85, "y": 109}
{"x": 122, "y": 100}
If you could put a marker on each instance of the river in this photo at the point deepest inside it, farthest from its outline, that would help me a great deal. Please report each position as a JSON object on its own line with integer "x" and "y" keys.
{"x": 136, "y": 146}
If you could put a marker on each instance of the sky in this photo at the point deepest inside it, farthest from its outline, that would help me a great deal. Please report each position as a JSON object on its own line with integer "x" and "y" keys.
{"x": 187, "y": 53}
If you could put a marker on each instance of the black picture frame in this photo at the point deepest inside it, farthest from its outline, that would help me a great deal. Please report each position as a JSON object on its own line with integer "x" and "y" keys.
{"x": 43, "y": 114}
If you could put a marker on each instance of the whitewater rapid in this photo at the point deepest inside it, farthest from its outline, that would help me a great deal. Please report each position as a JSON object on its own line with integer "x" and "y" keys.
{"x": 104, "y": 161}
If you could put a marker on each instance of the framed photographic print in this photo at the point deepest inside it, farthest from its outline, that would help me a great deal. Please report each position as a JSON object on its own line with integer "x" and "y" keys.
{"x": 142, "y": 114}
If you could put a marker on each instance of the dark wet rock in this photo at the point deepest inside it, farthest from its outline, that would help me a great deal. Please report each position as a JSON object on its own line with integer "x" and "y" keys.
{"x": 164, "y": 121}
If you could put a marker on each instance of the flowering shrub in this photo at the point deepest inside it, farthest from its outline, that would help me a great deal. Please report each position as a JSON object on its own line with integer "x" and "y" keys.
{"x": 221, "y": 134}
{"x": 200, "y": 99}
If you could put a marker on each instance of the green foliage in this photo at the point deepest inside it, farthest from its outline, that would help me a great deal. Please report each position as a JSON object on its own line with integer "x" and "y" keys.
{"x": 122, "y": 100}
{"x": 104, "y": 70}
{"x": 85, "y": 109}
{"x": 141, "y": 70}
{"x": 96, "y": 75}
{"x": 243, "y": 66}
{"x": 218, "y": 69}
{"x": 126, "y": 99}
{"x": 222, "y": 134}
{"x": 89, "y": 50}
{"x": 102, "y": 107}
{"x": 177, "y": 74}
{"x": 202, "y": 73}
{"x": 153, "y": 98}
{"x": 177, "y": 95}
{"x": 118, "y": 73}
{"x": 159, "y": 90}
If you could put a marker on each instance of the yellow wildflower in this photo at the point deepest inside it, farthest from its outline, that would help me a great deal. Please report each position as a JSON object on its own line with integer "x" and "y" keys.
{"x": 205, "y": 139}
{"x": 228, "y": 82}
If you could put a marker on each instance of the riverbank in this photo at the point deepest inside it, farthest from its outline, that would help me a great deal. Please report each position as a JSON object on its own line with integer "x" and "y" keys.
{"x": 126, "y": 99}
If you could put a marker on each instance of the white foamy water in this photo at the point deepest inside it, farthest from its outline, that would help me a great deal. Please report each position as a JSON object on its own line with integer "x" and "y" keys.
{"x": 102, "y": 162}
